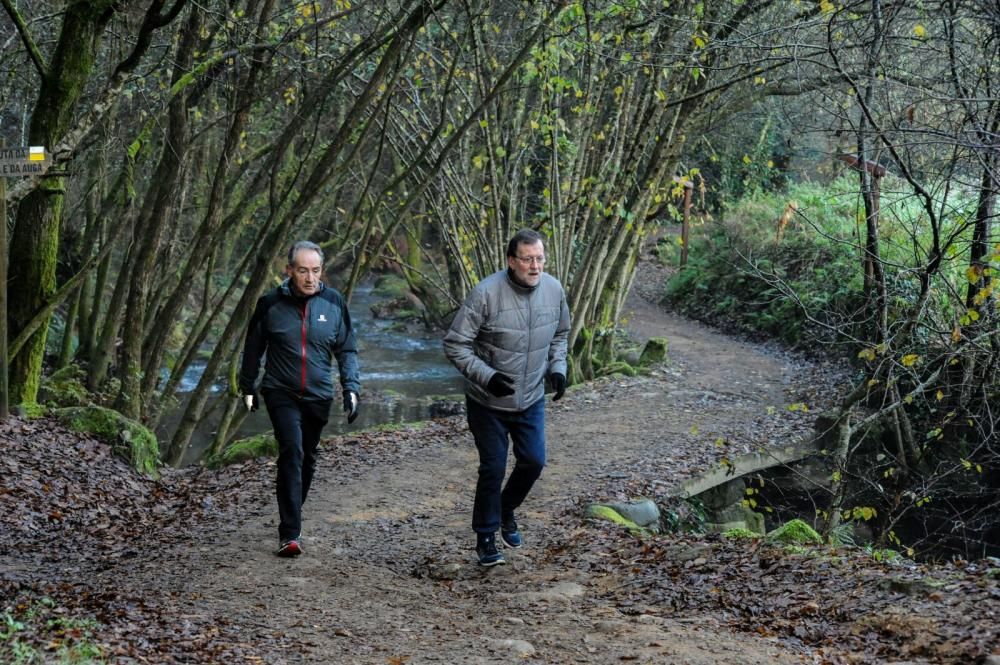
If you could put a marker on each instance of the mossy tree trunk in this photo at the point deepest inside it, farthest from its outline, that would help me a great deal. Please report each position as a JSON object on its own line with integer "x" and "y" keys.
{"x": 35, "y": 241}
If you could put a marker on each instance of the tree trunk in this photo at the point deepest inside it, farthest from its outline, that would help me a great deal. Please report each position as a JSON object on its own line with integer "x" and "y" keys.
{"x": 152, "y": 223}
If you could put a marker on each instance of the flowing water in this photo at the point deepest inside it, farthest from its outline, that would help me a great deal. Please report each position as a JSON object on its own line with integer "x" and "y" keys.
{"x": 400, "y": 372}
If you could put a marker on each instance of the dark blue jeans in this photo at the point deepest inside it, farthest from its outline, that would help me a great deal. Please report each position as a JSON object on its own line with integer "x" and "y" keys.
{"x": 490, "y": 428}
{"x": 297, "y": 427}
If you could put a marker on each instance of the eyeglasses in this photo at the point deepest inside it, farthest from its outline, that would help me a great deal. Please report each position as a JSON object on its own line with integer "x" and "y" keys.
{"x": 528, "y": 260}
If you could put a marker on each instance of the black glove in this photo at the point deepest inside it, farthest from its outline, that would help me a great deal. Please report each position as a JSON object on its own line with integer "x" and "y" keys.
{"x": 351, "y": 405}
{"x": 252, "y": 401}
{"x": 558, "y": 384}
{"x": 500, "y": 385}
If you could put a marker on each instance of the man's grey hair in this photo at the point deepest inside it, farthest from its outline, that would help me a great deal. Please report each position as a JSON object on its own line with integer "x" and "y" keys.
{"x": 301, "y": 245}
{"x": 523, "y": 237}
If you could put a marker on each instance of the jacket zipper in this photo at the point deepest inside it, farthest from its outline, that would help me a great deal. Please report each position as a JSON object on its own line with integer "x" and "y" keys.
{"x": 527, "y": 356}
{"x": 303, "y": 311}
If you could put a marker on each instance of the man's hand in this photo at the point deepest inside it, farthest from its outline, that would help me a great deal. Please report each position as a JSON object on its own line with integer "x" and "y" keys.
{"x": 500, "y": 385}
{"x": 350, "y": 405}
{"x": 251, "y": 401}
{"x": 559, "y": 384}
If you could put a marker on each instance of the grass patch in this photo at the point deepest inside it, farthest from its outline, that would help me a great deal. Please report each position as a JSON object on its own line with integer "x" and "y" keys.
{"x": 40, "y": 632}
{"x": 775, "y": 260}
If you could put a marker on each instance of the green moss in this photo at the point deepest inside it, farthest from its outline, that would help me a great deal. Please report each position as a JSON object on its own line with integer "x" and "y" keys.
{"x": 741, "y": 534}
{"x": 30, "y": 410}
{"x": 241, "y": 450}
{"x": 391, "y": 286}
{"x": 795, "y": 549}
{"x": 130, "y": 440}
{"x": 654, "y": 352}
{"x": 619, "y": 367}
{"x": 65, "y": 387}
{"x": 607, "y": 513}
{"x": 398, "y": 427}
{"x": 795, "y": 532}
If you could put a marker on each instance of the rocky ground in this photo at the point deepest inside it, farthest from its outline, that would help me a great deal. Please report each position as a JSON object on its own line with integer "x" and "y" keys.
{"x": 182, "y": 569}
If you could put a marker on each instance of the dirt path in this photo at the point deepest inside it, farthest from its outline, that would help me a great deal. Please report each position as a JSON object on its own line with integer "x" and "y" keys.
{"x": 389, "y": 574}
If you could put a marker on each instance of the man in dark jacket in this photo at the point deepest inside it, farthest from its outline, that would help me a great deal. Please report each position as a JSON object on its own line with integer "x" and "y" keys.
{"x": 509, "y": 335}
{"x": 298, "y": 328}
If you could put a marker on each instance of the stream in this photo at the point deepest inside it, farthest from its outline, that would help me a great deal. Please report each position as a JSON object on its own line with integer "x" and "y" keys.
{"x": 400, "y": 370}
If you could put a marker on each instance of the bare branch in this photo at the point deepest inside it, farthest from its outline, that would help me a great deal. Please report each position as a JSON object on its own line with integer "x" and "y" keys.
{"x": 29, "y": 44}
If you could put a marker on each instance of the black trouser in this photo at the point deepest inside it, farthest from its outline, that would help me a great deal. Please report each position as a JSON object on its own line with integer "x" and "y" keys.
{"x": 297, "y": 426}
{"x": 491, "y": 428}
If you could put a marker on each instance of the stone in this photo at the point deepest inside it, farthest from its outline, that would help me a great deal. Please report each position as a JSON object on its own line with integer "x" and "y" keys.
{"x": 643, "y": 512}
{"x": 722, "y": 496}
{"x": 563, "y": 592}
{"x": 444, "y": 408}
{"x": 611, "y": 627}
{"x": 446, "y": 571}
{"x": 519, "y": 648}
{"x": 739, "y": 512}
{"x": 654, "y": 352}
{"x": 609, "y": 514}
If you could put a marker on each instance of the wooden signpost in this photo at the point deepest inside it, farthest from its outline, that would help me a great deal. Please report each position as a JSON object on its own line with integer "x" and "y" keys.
{"x": 14, "y": 162}
{"x": 686, "y": 226}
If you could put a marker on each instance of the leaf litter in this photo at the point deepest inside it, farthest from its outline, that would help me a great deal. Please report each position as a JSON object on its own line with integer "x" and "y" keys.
{"x": 84, "y": 537}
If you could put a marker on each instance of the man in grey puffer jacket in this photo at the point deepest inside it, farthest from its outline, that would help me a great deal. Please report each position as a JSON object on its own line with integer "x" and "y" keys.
{"x": 509, "y": 335}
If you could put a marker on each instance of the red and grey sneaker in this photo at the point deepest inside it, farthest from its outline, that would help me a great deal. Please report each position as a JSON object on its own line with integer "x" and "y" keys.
{"x": 290, "y": 548}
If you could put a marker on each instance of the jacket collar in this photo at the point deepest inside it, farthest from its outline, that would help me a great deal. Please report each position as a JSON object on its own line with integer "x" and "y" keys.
{"x": 286, "y": 289}
{"x": 518, "y": 286}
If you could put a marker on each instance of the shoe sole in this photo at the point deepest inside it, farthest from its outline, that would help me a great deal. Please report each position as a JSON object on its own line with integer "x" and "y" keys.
{"x": 490, "y": 564}
{"x": 290, "y": 550}
{"x": 508, "y": 544}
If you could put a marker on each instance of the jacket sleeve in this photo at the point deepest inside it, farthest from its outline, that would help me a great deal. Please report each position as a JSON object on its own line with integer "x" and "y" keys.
{"x": 254, "y": 348}
{"x": 559, "y": 345}
{"x": 459, "y": 343}
{"x": 346, "y": 352}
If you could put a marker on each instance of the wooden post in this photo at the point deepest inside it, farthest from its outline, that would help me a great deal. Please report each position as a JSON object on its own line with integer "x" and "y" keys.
{"x": 686, "y": 224}
{"x": 4, "y": 406}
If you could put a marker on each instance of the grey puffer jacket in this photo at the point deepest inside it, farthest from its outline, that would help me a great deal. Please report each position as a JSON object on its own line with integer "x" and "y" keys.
{"x": 517, "y": 330}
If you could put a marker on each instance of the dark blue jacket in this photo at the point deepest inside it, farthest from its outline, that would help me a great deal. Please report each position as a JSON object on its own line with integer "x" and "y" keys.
{"x": 298, "y": 338}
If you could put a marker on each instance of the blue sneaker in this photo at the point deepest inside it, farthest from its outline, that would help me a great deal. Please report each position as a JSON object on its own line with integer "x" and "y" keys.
{"x": 486, "y": 549}
{"x": 509, "y": 534}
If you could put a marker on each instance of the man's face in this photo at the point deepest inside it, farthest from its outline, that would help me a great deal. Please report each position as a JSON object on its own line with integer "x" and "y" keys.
{"x": 305, "y": 272}
{"x": 528, "y": 262}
